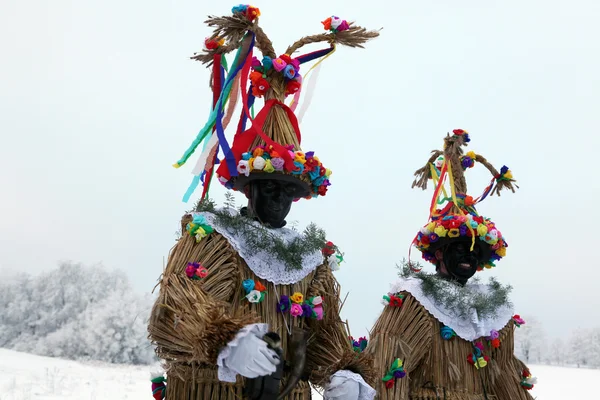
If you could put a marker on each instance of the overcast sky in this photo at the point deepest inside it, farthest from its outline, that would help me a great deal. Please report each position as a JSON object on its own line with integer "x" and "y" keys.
{"x": 99, "y": 98}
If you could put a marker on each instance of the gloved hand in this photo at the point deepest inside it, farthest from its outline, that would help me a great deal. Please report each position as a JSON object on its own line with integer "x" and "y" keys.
{"x": 251, "y": 357}
{"x": 342, "y": 388}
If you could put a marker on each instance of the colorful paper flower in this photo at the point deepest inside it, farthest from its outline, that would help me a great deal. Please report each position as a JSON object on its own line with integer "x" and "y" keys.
{"x": 359, "y": 345}
{"x": 396, "y": 371}
{"x": 297, "y": 298}
{"x": 260, "y": 87}
{"x": 254, "y": 296}
{"x": 259, "y": 163}
{"x": 201, "y": 272}
{"x": 278, "y": 163}
{"x": 528, "y": 381}
{"x": 284, "y": 304}
{"x": 329, "y": 249}
{"x": 267, "y": 63}
{"x": 518, "y": 320}
{"x": 335, "y": 24}
{"x": 243, "y": 167}
{"x": 190, "y": 270}
{"x": 296, "y": 310}
{"x": 279, "y": 65}
{"x": 213, "y": 43}
{"x": 289, "y": 72}
{"x": 248, "y": 285}
{"x": 447, "y": 332}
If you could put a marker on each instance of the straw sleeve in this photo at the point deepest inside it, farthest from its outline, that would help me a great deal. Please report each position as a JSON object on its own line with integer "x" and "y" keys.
{"x": 404, "y": 334}
{"x": 508, "y": 383}
{"x": 329, "y": 349}
{"x": 192, "y": 319}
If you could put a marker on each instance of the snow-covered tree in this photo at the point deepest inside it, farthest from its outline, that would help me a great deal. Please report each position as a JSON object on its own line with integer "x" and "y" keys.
{"x": 530, "y": 341}
{"x": 76, "y": 312}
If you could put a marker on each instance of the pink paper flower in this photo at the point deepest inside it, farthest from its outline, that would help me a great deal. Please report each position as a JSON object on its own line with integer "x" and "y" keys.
{"x": 279, "y": 64}
{"x": 318, "y": 310}
{"x": 201, "y": 272}
{"x": 296, "y": 310}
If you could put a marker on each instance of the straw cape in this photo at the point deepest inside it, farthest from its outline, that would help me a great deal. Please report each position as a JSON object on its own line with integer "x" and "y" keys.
{"x": 228, "y": 271}
{"x": 436, "y": 339}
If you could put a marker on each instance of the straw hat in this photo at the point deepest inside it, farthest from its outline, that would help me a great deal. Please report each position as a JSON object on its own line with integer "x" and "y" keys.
{"x": 457, "y": 219}
{"x": 271, "y": 147}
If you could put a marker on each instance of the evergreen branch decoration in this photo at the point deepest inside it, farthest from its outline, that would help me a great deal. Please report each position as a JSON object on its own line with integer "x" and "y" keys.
{"x": 260, "y": 238}
{"x": 460, "y": 299}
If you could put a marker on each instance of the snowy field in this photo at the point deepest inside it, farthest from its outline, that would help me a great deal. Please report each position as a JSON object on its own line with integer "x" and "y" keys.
{"x": 24, "y": 376}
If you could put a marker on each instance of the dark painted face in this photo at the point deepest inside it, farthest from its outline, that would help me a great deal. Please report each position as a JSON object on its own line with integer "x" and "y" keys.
{"x": 461, "y": 263}
{"x": 271, "y": 200}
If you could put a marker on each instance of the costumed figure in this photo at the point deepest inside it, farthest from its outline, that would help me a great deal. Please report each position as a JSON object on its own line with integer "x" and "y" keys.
{"x": 247, "y": 307}
{"x": 441, "y": 336}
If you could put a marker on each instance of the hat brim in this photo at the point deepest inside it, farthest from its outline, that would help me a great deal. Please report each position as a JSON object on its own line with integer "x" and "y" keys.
{"x": 302, "y": 187}
{"x": 485, "y": 248}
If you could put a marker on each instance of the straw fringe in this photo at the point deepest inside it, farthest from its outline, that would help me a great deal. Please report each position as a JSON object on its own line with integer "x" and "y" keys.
{"x": 356, "y": 36}
{"x": 424, "y": 174}
{"x": 437, "y": 368}
{"x": 192, "y": 320}
{"x": 503, "y": 184}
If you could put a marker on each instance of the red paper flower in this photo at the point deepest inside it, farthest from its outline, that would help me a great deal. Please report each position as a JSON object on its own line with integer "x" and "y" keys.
{"x": 395, "y": 301}
{"x": 292, "y": 87}
{"x": 327, "y": 24}
{"x": 255, "y": 76}
{"x": 389, "y": 384}
{"x": 425, "y": 239}
{"x": 322, "y": 190}
{"x": 496, "y": 343}
{"x": 252, "y": 13}
{"x": 260, "y": 87}
{"x": 469, "y": 201}
{"x": 286, "y": 58}
{"x": 458, "y": 132}
{"x": 454, "y": 224}
{"x": 211, "y": 44}
{"x": 478, "y": 219}
{"x": 328, "y": 250}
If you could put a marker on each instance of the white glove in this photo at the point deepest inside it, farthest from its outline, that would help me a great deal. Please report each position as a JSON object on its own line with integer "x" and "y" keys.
{"x": 247, "y": 355}
{"x": 342, "y": 388}
{"x": 347, "y": 385}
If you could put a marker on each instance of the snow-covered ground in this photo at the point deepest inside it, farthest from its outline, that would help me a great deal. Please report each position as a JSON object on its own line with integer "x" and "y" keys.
{"x": 24, "y": 376}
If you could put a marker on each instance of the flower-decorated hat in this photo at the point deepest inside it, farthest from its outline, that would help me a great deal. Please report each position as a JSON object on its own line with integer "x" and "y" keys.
{"x": 457, "y": 219}
{"x": 271, "y": 147}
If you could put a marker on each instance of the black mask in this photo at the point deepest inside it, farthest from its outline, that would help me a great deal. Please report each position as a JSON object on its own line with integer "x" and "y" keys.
{"x": 460, "y": 262}
{"x": 270, "y": 200}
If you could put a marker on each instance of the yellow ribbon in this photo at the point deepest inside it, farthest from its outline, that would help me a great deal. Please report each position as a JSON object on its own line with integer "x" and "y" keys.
{"x": 455, "y": 200}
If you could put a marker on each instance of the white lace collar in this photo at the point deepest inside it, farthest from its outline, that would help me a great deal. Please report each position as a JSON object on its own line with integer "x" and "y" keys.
{"x": 264, "y": 265}
{"x": 469, "y": 328}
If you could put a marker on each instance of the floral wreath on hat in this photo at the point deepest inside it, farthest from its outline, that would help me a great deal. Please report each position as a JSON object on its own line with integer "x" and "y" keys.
{"x": 270, "y": 147}
{"x": 458, "y": 219}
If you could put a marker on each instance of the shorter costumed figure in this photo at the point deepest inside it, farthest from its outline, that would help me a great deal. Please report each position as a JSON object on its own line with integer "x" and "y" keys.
{"x": 442, "y": 336}
{"x": 248, "y": 308}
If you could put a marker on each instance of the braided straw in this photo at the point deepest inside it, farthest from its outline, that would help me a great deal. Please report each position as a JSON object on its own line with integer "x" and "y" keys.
{"x": 452, "y": 155}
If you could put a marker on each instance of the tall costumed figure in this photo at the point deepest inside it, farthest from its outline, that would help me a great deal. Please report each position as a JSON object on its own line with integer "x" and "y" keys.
{"x": 249, "y": 308}
{"x": 445, "y": 335}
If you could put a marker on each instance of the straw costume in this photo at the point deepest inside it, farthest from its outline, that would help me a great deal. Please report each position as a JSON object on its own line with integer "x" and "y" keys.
{"x": 439, "y": 335}
{"x": 242, "y": 297}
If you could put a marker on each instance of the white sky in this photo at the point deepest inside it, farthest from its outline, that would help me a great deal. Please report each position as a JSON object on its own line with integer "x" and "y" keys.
{"x": 99, "y": 98}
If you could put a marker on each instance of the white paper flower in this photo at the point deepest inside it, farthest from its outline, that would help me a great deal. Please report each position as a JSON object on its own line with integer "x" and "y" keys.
{"x": 243, "y": 167}
{"x": 532, "y": 380}
{"x": 259, "y": 163}
{"x": 335, "y": 22}
{"x": 439, "y": 162}
{"x": 253, "y": 296}
{"x": 317, "y": 300}
{"x": 425, "y": 231}
{"x": 333, "y": 262}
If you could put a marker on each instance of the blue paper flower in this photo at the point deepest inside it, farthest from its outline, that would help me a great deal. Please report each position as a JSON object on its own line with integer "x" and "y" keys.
{"x": 248, "y": 285}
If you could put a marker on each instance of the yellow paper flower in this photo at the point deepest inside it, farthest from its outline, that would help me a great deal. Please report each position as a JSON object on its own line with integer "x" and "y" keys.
{"x": 453, "y": 233}
{"x": 471, "y": 154}
{"x": 251, "y": 163}
{"x": 300, "y": 157}
{"x": 482, "y": 230}
{"x": 328, "y": 172}
{"x": 508, "y": 174}
{"x": 501, "y": 251}
{"x": 431, "y": 227}
{"x": 200, "y": 234}
{"x": 488, "y": 266}
{"x": 441, "y": 231}
{"x": 268, "y": 167}
{"x": 480, "y": 363}
{"x": 297, "y": 298}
